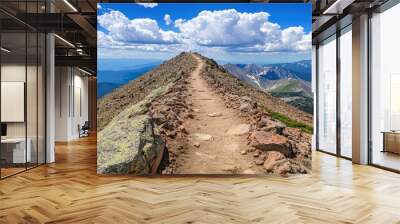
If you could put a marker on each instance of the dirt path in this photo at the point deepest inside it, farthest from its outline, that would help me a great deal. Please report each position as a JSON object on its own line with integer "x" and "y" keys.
{"x": 217, "y": 135}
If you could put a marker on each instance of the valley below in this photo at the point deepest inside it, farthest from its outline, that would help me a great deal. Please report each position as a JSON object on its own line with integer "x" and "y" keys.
{"x": 290, "y": 82}
{"x": 189, "y": 116}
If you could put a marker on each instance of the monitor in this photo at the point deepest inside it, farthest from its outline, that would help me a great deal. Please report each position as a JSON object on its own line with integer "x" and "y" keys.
{"x": 3, "y": 129}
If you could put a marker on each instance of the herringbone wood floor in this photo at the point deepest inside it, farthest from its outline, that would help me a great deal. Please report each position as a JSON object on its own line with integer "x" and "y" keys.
{"x": 69, "y": 191}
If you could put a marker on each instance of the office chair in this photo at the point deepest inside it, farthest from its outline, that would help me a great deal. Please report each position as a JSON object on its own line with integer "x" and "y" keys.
{"x": 84, "y": 130}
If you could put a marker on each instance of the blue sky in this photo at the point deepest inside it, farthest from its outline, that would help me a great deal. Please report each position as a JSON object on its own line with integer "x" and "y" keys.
{"x": 236, "y": 32}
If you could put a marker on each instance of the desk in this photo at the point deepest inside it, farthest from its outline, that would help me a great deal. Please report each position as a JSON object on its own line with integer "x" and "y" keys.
{"x": 391, "y": 141}
{"x": 16, "y": 147}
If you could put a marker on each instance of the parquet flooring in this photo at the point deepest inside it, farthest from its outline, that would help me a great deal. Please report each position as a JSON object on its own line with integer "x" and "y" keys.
{"x": 69, "y": 191}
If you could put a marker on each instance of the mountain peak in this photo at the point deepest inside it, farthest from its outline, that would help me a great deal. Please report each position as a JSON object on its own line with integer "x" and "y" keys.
{"x": 288, "y": 81}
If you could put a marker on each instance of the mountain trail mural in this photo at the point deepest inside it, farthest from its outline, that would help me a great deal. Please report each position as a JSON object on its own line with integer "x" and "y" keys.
{"x": 190, "y": 116}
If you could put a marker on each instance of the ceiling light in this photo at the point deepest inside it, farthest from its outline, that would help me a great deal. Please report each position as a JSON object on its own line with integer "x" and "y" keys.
{"x": 5, "y": 50}
{"x": 86, "y": 72}
{"x": 70, "y": 5}
{"x": 64, "y": 40}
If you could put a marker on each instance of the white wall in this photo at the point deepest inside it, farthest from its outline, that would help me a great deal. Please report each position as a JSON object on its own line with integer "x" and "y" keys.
{"x": 71, "y": 87}
{"x": 62, "y": 82}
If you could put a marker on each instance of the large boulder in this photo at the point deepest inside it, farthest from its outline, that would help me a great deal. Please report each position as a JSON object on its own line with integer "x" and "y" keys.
{"x": 268, "y": 141}
{"x": 130, "y": 147}
{"x": 131, "y": 143}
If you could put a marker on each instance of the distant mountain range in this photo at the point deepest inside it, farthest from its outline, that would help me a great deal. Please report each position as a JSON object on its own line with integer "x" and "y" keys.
{"x": 109, "y": 80}
{"x": 290, "y": 82}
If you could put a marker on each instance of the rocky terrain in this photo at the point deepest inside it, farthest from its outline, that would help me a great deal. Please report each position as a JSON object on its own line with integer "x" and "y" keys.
{"x": 197, "y": 119}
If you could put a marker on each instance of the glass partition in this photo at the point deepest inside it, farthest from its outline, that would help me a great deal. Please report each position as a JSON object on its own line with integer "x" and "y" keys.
{"x": 327, "y": 95}
{"x": 22, "y": 90}
{"x": 13, "y": 87}
{"x": 346, "y": 92}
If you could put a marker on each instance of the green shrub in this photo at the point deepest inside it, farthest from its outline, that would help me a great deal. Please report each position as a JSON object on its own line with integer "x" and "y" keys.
{"x": 290, "y": 122}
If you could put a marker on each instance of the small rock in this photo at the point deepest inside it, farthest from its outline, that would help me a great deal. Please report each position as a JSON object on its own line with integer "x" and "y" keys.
{"x": 276, "y": 128}
{"x": 159, "y": 118}
{"x": 204, "y": 137}
{"x": 257, "y": 153}
{"x": 270, "y": 128}
{"x": 196, "y": 144}
{"x": 272, "y": 159}
{"x": 268, "y": 141}
{"x": 244, "y": 152}
{"x": 172, "y": 115}
{"x": 283, "y": 169}
{"x": 259, "y": 161}
{"x": 263, "y": 122}
{"x": 167, "y": 125}
{"x": 216, "y": 114}
{"x": 172, "y": 134}
{"x": 248, "y": 171}
{"x": 183, "y": 129}
{"x": 240, "y": 129}
{"x": 245, "y": 107}
{"x": 245, "y": 98}
{"x": 303, "y": 148}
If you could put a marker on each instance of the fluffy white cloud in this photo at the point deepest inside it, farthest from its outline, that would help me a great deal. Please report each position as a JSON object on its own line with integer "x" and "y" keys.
{"x": 221, "y": 30}
{"x": 122, "y": 29}
{"x": 103, "y": 40}
{"x": 148, "y": 5}
{"x": 98, "y": 6}
{"x": 295, "y": 38}
{"x": 167, "y": 19}
{"x": 291, "y": 39}
{"x": 238, "y": 31}
{"x": 224, "y": 28}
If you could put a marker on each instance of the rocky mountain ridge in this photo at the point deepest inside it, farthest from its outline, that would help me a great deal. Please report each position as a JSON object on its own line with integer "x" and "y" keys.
{"x": 133, "y": 92}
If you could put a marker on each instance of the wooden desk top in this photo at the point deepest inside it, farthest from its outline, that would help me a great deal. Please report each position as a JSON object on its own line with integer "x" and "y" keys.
{"x": 391, "y": 132}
